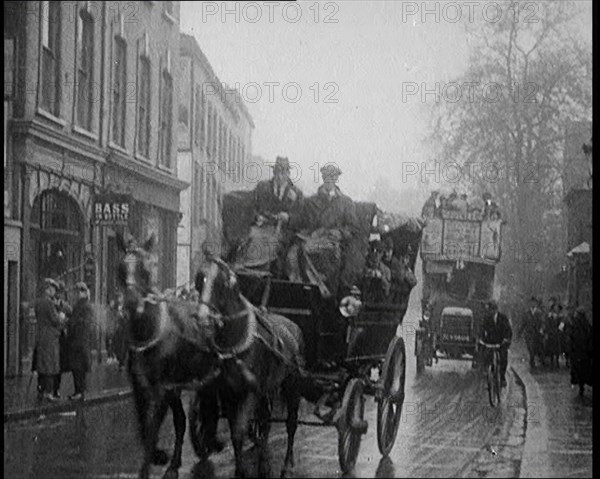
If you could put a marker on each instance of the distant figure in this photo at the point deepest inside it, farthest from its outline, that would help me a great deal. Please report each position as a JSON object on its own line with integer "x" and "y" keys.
{"x": 475, "y": 208}
{"x": 80, "y": 330}
{"x": 50, "y": 322}
{"x": 461, "y": 205}
{"x": 581, "y": 350}
{"x": 532, "y": 325}
{"x": 551, "y": 333}
{"x": 62, "y": 306}
{"x": 563, "y": 333}
{"x": 430, "y": 208}
{"x": 121, "y": 336}
{"x": 496, "y": 329}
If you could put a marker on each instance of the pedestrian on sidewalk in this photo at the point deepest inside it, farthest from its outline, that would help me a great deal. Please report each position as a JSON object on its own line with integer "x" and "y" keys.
{"x": 50, "y": 322}
{"x": 563, "y": 333}
{"x": 552, "y": 341}
{"x": 581, "y": 351}
{"x": 121, "y": 336}
{"x": 532, "y": 325}
{"x": 79, "y": 334}
{"x": 62, "y": 306}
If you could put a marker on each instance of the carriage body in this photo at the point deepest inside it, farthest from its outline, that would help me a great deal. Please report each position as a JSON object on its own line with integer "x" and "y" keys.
{"x": 346, "y": 357}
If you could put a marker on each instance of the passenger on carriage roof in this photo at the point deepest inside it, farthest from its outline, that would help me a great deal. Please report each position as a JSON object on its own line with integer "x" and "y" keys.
{"x": 330, "y": 208}
{"x": 278, "y": 197}
{"x": 377, "y": 276}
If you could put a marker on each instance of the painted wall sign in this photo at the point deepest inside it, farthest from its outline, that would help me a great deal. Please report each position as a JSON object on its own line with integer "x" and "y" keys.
{"x": 111, "y": 209}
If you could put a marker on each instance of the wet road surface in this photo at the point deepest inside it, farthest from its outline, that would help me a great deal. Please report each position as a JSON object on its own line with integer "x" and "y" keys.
{"x": 448, "y": 429}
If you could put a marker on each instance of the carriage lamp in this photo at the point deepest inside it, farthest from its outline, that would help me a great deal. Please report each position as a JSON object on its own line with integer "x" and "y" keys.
{"x": 350, "y": 306}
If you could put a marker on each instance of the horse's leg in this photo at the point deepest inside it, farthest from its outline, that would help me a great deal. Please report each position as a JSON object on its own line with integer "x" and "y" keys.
{"x": 239, "y": 416}
{"x": 292, "y": 398}
{"x": 150, "y": 427}
{"x": 210, "y": 418}
{"x": 264, "y": 427}
{"x": 173, "y": 398}
{"x": 159, "y": 456}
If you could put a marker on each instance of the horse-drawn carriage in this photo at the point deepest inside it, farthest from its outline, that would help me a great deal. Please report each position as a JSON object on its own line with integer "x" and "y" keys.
{"x": 349, "y": 352}
{"x": 253, "y": 334}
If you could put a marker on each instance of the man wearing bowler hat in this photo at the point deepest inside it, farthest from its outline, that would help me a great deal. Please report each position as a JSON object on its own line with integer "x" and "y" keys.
{"x": 277, "y": 210}
{"x": 278, "y": 198}
{"x": 79, "y": 339}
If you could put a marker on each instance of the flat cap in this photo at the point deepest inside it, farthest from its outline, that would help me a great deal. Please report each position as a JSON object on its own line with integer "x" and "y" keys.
{"x": 331, "y": 169}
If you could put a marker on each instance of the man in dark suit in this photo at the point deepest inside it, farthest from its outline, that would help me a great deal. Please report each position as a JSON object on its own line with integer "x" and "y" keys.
{"x": 496, "y": 329}
{"x": 532, "y": 325}
{"x": 277, "y": 210}
{"x": 79, "y": 339}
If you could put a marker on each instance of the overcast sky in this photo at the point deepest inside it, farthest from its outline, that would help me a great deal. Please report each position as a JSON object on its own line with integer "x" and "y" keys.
{"x": 362, "y": 62}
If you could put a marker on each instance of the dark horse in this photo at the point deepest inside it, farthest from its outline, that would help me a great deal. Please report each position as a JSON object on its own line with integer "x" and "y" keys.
{"x": 260, "y": 354}
{"x": 165, "y": 353}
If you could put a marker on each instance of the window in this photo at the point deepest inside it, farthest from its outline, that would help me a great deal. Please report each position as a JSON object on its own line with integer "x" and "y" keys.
{"x": 50, "y": 86}
{"x": 166, "y": 119}
{"x": 221, "y": 144}
{"x": 199, "y": 123}
{"x": 85, "y": 71}
{"x": 119, "y": 91}
{"x": 143, "y": 134}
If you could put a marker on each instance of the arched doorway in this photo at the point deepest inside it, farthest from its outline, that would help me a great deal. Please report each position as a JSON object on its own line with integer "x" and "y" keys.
{"x": 57, "y": 233}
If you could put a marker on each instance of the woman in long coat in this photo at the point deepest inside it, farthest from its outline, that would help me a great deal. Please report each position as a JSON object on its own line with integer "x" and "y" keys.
{"x": 79, "y": 340}
{"x": 581, "y": 350}
{"x": 121, "y": 336}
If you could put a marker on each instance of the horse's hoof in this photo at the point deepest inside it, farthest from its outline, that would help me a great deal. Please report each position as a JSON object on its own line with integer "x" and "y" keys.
{"x": 171, "y": 474}
{"x": 160, "y": 457}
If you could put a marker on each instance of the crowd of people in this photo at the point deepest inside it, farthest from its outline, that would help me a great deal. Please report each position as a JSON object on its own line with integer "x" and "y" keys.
{"x": 553, "y": 333}
{"x": 317, "y": 238}
{"x": 455, "y": 206}
{"x": 64, "y": 339}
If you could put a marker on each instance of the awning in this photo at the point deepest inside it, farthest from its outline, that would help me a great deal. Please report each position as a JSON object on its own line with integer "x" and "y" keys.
{"x": 583, "y": 248}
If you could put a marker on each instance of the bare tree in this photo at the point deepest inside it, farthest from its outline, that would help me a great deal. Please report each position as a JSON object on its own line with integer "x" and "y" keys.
{"x": 524, "y": 81}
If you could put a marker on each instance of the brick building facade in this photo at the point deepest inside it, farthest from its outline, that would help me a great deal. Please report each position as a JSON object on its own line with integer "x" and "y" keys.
{"x": 214, "y": 145}
{"x": 93, "y": 112}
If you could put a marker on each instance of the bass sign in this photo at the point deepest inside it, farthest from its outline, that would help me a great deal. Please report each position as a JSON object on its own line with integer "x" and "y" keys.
{"x": 112, "y": 209}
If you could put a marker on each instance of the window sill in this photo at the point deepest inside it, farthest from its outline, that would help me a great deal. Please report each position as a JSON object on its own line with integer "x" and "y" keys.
{"x": 82, "y": 131}
{"x": 170, "y": 17}
{"x": 166, "y": 169}
{"x": 49, "y": 116}
{"x": 118, "y": 148}
{"x": 142, "y": 158}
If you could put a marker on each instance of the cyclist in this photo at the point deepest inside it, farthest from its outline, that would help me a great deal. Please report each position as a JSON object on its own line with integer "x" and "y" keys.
{"x": 496, "y": 329}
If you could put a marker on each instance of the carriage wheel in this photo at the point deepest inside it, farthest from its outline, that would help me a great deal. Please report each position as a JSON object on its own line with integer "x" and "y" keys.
{"x": 351, "y": 425}
{"x": 389, "y": 407}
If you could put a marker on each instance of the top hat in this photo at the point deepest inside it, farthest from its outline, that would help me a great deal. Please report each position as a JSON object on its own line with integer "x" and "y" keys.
{"x": 331, "y": 169}
{"x": 281, "y": 162}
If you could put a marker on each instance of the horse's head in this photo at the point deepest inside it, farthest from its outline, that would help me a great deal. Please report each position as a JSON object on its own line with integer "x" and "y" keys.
{"x": 218, "y": 287}
{"x": 137, "y": 276}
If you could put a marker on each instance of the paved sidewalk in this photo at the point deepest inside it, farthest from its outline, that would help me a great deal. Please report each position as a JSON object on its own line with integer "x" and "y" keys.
{"x": 105, "y": 382}
{"x": 558, "y": 439}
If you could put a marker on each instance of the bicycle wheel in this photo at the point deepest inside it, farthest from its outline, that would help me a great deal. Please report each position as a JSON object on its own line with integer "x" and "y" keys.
{"x": 493, "y": 384}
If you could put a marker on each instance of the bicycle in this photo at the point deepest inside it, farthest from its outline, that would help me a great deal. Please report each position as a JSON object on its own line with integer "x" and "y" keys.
{"x": 493, "y": 373}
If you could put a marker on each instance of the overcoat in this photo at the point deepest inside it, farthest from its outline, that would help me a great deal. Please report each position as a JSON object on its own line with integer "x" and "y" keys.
{"x": 337, "y": 212}
{"x": 49, "y": 325}
{"x": 581, "y": 350}
{"x": 267, "y": 202}
{"x": 79, "y": 336}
